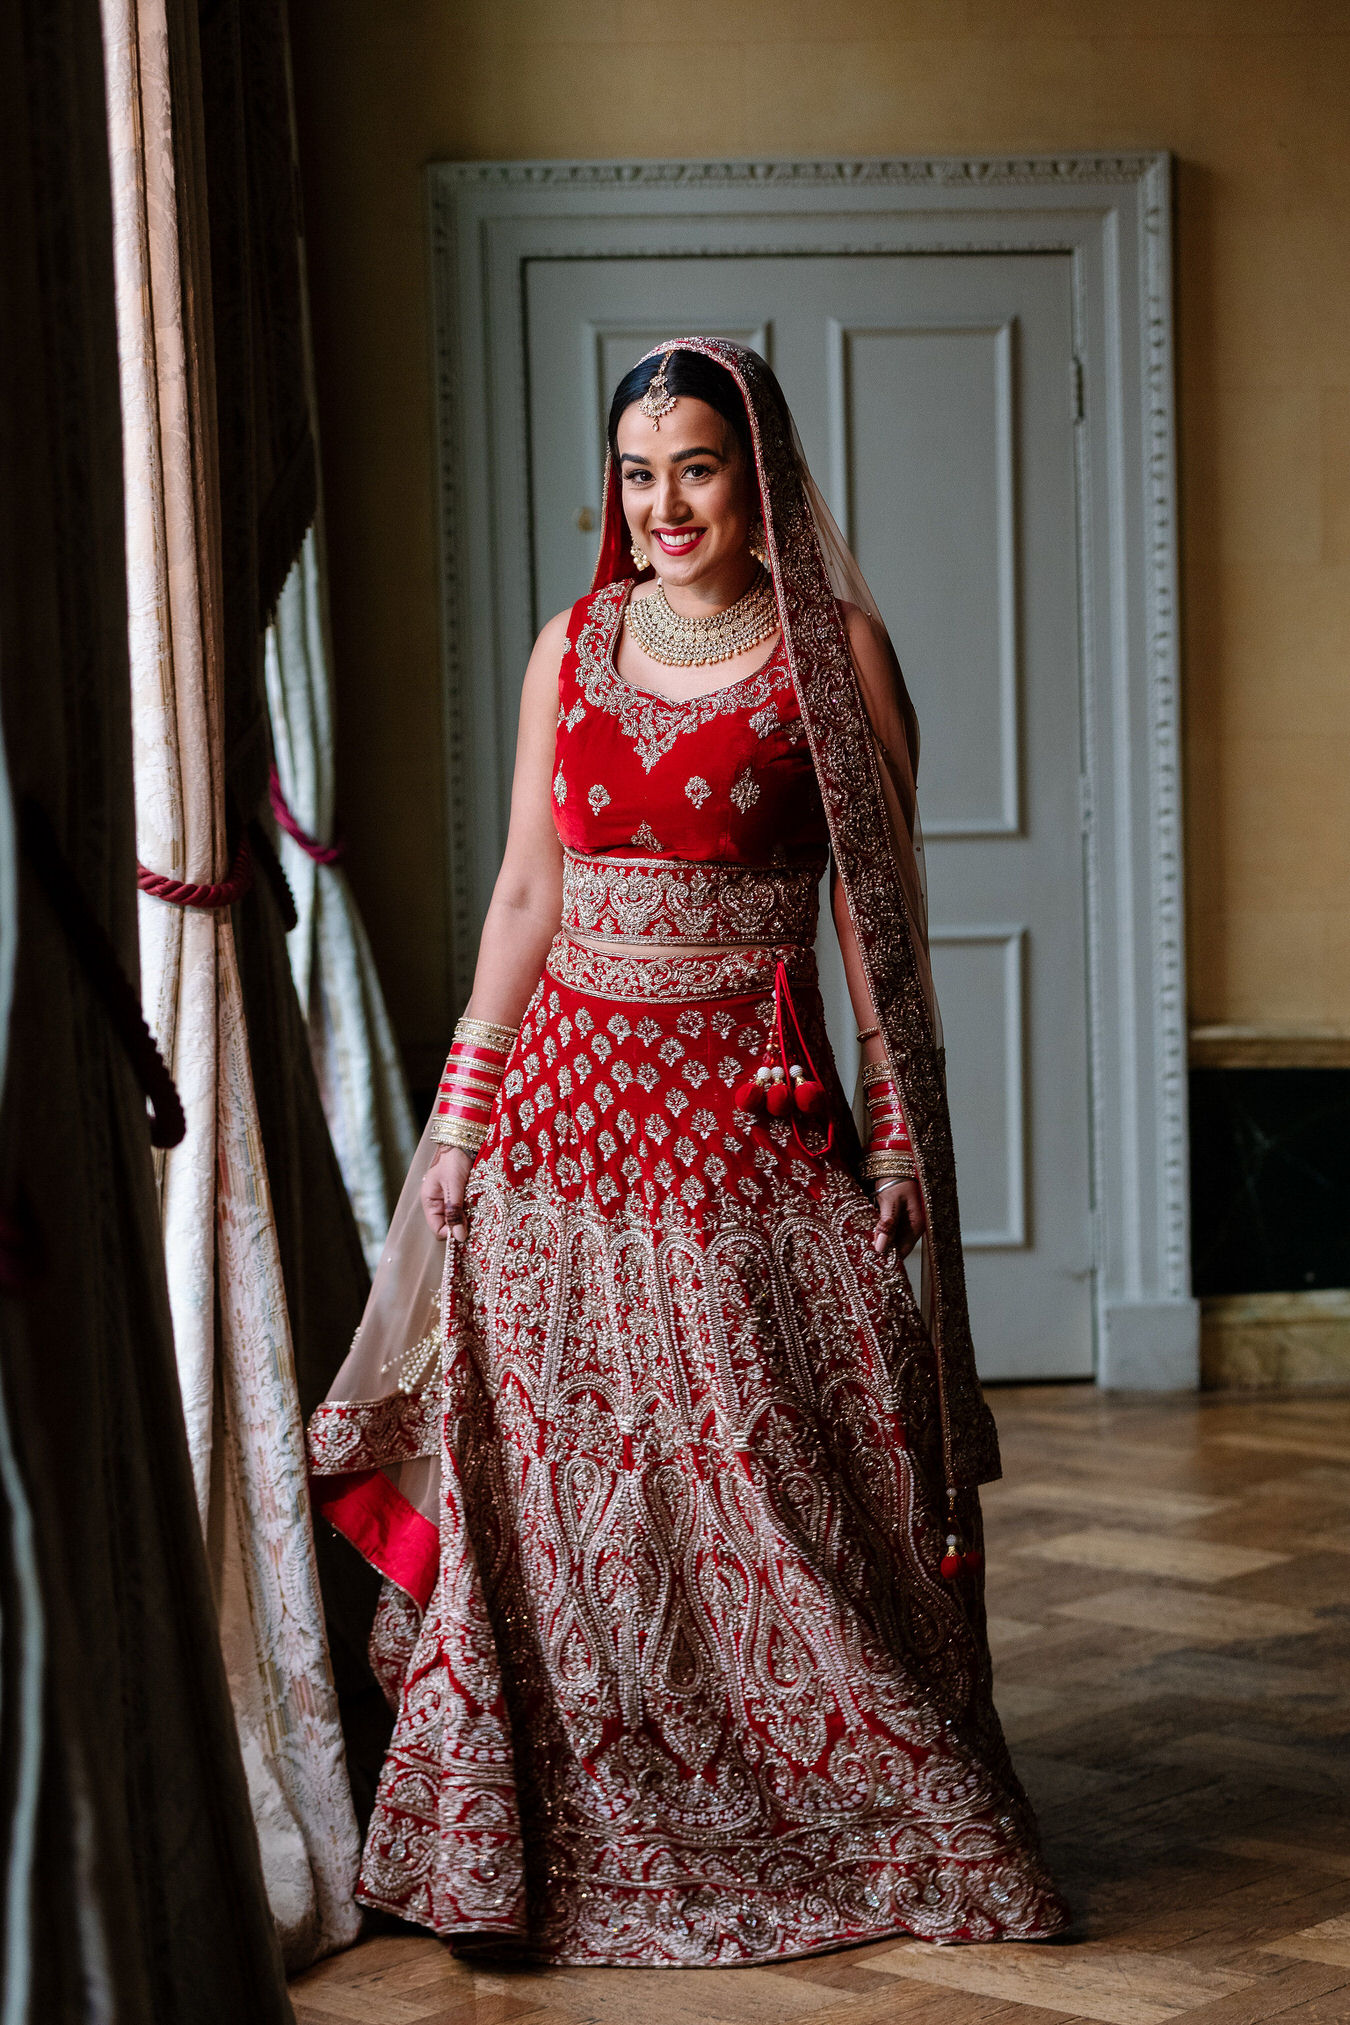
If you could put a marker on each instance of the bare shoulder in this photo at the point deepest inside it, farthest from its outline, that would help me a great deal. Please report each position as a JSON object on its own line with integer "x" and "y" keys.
{"x": 552, "y": 638}
{"x": 546, "y": 657}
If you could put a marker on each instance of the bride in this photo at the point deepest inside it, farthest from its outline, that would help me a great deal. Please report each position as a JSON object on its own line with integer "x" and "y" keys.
{"x": 672, "y": 1482}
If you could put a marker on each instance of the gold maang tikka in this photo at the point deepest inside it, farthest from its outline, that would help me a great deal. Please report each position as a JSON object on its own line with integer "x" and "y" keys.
{"x": 658, "y": 400}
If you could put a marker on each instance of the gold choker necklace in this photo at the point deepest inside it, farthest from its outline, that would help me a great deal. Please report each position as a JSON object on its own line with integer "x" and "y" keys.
{"x": 676, "y": 642}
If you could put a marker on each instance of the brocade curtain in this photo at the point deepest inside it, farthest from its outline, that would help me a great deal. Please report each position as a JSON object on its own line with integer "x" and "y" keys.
{"x": 231, "y": 1323}
{"x": 267, "y": 490}
{"x": 360, "y": 1077}
{"x": 133, "y": 1890}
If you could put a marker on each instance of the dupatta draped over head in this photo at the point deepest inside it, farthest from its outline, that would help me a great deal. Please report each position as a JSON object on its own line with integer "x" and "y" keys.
{"x": 864, "y": 739}
{"x": 384, "y": 1406}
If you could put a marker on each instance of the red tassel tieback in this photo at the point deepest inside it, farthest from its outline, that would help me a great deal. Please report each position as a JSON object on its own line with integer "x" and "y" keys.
{"x": 783, "y": 1087}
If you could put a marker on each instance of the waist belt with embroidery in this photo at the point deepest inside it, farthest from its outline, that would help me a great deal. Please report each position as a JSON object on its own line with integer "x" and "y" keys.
{"x": 671, "y": 901}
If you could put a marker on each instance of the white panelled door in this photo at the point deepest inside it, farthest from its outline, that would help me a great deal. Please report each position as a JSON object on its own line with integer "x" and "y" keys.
{"x": 934, "y": 395}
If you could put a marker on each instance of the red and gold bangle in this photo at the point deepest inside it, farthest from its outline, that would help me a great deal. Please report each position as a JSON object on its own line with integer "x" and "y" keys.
{"x": 890, "y": 1155}
{"x": 472, "y": 1075}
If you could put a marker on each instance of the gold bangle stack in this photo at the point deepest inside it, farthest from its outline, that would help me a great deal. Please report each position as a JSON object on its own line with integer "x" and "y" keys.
{"x": 888, "y": 1164}
{"x": 454, "y": 1132}
{"x": 468, "y": 1134}
{"x": 485, "y": 1034}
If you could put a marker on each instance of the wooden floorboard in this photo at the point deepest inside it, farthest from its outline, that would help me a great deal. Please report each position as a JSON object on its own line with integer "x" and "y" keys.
{"x": 1170, "y": 1591}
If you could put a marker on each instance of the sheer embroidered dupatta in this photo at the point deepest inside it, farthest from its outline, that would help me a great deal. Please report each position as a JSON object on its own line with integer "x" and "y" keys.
{"x": 375, "y": 1442}
{"x": 864, "y": 740}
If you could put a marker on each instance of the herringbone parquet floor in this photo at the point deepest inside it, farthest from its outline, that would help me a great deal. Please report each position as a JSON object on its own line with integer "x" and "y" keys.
{"x": 1170, "y": 1588}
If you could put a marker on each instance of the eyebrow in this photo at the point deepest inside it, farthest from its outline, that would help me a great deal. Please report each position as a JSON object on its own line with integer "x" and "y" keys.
{"x": 680, "y": 456}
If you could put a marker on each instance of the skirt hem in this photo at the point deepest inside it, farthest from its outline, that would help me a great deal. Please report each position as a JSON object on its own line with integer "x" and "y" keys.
{"x": 461, "y": 1941}
{"x": 488, "y": 1939}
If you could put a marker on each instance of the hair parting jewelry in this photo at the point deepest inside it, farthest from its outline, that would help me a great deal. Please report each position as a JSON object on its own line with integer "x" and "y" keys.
{"x": 658, "y": 400}
{"x": 677, "y": 642}
{"x": 473, "y": 1071}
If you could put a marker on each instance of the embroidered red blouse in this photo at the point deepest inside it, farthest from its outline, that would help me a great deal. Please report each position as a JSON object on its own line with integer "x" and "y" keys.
{"x": 725, "y": 778}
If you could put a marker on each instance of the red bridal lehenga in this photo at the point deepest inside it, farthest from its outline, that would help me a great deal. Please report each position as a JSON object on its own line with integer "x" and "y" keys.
{"x": 661, "y": 1469}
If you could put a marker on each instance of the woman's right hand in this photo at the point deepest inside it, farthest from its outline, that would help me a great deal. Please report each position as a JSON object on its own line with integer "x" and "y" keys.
{"x": 443, "y": 1194}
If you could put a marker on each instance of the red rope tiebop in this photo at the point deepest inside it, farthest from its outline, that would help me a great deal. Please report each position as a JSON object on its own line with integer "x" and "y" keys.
{"x": 322, "y": 854}
{"x": 182, "y": 893}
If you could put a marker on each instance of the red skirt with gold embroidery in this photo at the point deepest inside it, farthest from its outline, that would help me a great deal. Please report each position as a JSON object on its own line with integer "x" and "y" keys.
{"x": 690, "y": 1688}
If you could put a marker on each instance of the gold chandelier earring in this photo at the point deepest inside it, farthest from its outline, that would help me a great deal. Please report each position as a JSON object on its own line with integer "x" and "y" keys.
{"x": 758, "y": 544}
{"x": 641, "y": 560}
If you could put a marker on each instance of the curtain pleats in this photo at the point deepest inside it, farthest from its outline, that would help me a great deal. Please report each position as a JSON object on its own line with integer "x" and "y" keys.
{"x": 132, "y": 1886}
{"x": 231, "y": 1322}
{"x": 356, "y": 1062}
{"x": 23, "y": 1635}
{"x": 267, "y": 493}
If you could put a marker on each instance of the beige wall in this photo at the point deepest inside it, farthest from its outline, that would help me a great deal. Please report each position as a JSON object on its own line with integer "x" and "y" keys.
{"x": 1252, "y": 95}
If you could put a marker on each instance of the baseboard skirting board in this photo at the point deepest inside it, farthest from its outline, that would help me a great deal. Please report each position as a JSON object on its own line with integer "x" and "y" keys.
{"x": 1149, "y": 1346}
{"x": 1237, "y": 1047}
{"x": 1270, "y": 1342}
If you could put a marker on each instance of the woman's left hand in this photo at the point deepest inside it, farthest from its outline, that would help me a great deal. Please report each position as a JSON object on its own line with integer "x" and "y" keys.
{"x": 900, "y": 1218}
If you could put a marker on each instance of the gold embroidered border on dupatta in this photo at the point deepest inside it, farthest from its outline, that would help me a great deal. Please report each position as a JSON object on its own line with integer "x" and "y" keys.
{"x": 844, "y": 746}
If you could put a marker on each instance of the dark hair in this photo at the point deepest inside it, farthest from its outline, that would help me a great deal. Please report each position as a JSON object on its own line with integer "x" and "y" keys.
{"x": 687, "y": 373}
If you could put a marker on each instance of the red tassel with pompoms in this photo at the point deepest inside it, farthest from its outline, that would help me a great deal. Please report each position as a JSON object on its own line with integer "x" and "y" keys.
{"x": 785, "y": 1089}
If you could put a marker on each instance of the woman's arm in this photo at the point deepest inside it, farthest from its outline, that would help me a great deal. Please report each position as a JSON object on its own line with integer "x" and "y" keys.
{"x": 900, "y": 1217}
{"x": 526, "y": 905}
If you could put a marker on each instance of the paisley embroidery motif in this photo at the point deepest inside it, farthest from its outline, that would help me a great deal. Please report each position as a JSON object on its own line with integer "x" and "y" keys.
{"x": 697, "y": 790}
{"x": 690, "y": 1646}
{"x": 598, "y": 797}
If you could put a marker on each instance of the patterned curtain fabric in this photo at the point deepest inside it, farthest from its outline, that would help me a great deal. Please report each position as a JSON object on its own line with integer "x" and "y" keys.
{"x": 360, "y": 1077}
{"x": 231, "y": 1323}
{"x": 133, "y": 1889}
{"x": 266, "y": 488}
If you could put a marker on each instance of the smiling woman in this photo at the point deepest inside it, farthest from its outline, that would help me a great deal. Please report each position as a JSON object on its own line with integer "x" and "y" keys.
{"x": 673, "y": 1480}
{"x": 689, "y": 499}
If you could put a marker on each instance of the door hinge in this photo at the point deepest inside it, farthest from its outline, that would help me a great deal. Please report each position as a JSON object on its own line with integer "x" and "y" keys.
{"x": 1076, "y": 389}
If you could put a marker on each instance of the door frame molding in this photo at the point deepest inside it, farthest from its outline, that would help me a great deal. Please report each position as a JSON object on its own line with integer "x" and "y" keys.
{"x": 1112, "y": 214}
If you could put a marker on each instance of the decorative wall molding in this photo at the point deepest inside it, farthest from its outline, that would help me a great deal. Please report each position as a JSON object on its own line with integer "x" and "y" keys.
{"x": 1010, "y": 941}
{"x": 1112, "y": 214}
{"x": 886, "y": 172}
